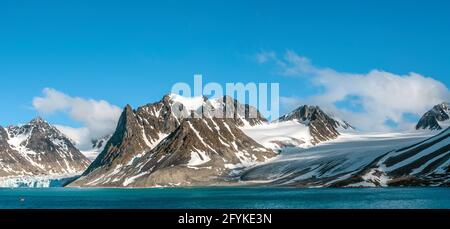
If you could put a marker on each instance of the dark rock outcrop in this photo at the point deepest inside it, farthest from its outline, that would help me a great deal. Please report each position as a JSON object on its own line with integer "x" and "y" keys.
{"x": 431, "y": 119}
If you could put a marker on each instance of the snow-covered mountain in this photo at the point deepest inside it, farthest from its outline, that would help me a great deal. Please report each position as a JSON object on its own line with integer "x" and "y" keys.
{"x": 362, "y": 160}
{"x": 177, "y": 141}
{"x": 437, "y": 118}
{"x": 198, "y": 141}
{"x": 322, "y": 126}
{"x": 38, "y": 149}
{"x": 304, "y": 127}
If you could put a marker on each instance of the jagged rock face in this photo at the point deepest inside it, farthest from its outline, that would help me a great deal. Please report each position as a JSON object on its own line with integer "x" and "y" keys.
{"x": 139, "y": 134}
{"x": 38, "y": 148}
{"x": 141, "y": 130}
{"x": 129, "y": 139}
{"x": 198, "y": 152}
{"x": 322, "y": 126}
{"x": 138, "y": 131}
{"x": 433, "y": 119}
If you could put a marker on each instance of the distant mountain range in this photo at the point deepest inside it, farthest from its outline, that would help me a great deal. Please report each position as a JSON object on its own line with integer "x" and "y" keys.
{"x": 180, "y": 141}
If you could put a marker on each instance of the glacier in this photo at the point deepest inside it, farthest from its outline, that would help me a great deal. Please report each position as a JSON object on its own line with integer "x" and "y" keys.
{"x": 330, "y": 161}
{"x": 37, "y": 181}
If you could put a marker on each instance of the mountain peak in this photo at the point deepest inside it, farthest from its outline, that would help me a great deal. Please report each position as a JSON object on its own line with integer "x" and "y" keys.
{"x": 220, "y": 107}
{"x": 190, "y": 103}
{"x": 38, "y": 121}
{"x": 443, "y": 105}
{"x": 39, "y": 125}
{"x": 322, "y": 126}
{"x": 304, "y": 114}
{"x": 435, "y": 119}
{"x": 128, "y": 108}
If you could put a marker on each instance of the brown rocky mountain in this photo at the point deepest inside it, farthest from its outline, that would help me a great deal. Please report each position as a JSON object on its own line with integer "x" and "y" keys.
{"x": 158, "y": 143}
{"x": 322, "y": 126}
{"x": 38, "y": 149}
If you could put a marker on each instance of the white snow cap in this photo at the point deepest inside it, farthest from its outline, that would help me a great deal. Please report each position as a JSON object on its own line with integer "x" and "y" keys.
{"x": 190, "y": 103}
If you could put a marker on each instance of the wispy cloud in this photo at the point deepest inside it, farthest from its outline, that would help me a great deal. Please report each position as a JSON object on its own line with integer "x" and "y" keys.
{"x": 264, "y": 57}
{"x": 98, "y": 116}
{"x": 381, "y": 96}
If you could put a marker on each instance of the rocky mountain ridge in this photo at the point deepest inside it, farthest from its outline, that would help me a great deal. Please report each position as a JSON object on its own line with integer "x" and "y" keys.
{"x": 38, "y": 149}
{"x": 177, "y": 134}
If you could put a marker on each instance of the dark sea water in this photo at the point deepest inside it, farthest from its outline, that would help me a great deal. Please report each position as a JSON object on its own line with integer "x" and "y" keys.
{"x": 225, "y": 198}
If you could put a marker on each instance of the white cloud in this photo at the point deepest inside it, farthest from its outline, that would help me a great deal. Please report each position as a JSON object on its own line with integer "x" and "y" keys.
{"x": 264, "y": 57}
{"x": 98, "y": 116}
{"x": 78, "y": 135}
{"x": 380, "y": 95}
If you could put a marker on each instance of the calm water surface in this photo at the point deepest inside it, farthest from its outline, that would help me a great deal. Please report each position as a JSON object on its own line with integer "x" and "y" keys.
{"x": 225, "y": 198}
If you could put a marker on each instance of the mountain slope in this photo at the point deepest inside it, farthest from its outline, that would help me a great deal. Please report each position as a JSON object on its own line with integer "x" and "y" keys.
{"x": 171, "y": 127}
{"x": 426, "y": 163}
{"x": 38, "y": 149}
{"x": 362, "y": 161}
{"x": 436, "y": 118}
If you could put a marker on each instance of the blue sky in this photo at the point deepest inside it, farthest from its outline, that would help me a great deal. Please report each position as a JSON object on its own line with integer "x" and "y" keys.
{"x": 134, "y": 51}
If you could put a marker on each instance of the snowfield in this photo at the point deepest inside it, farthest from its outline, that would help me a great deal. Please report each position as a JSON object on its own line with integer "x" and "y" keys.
{"x": 279, "y": 135}
{"x": 189, "y": 103}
